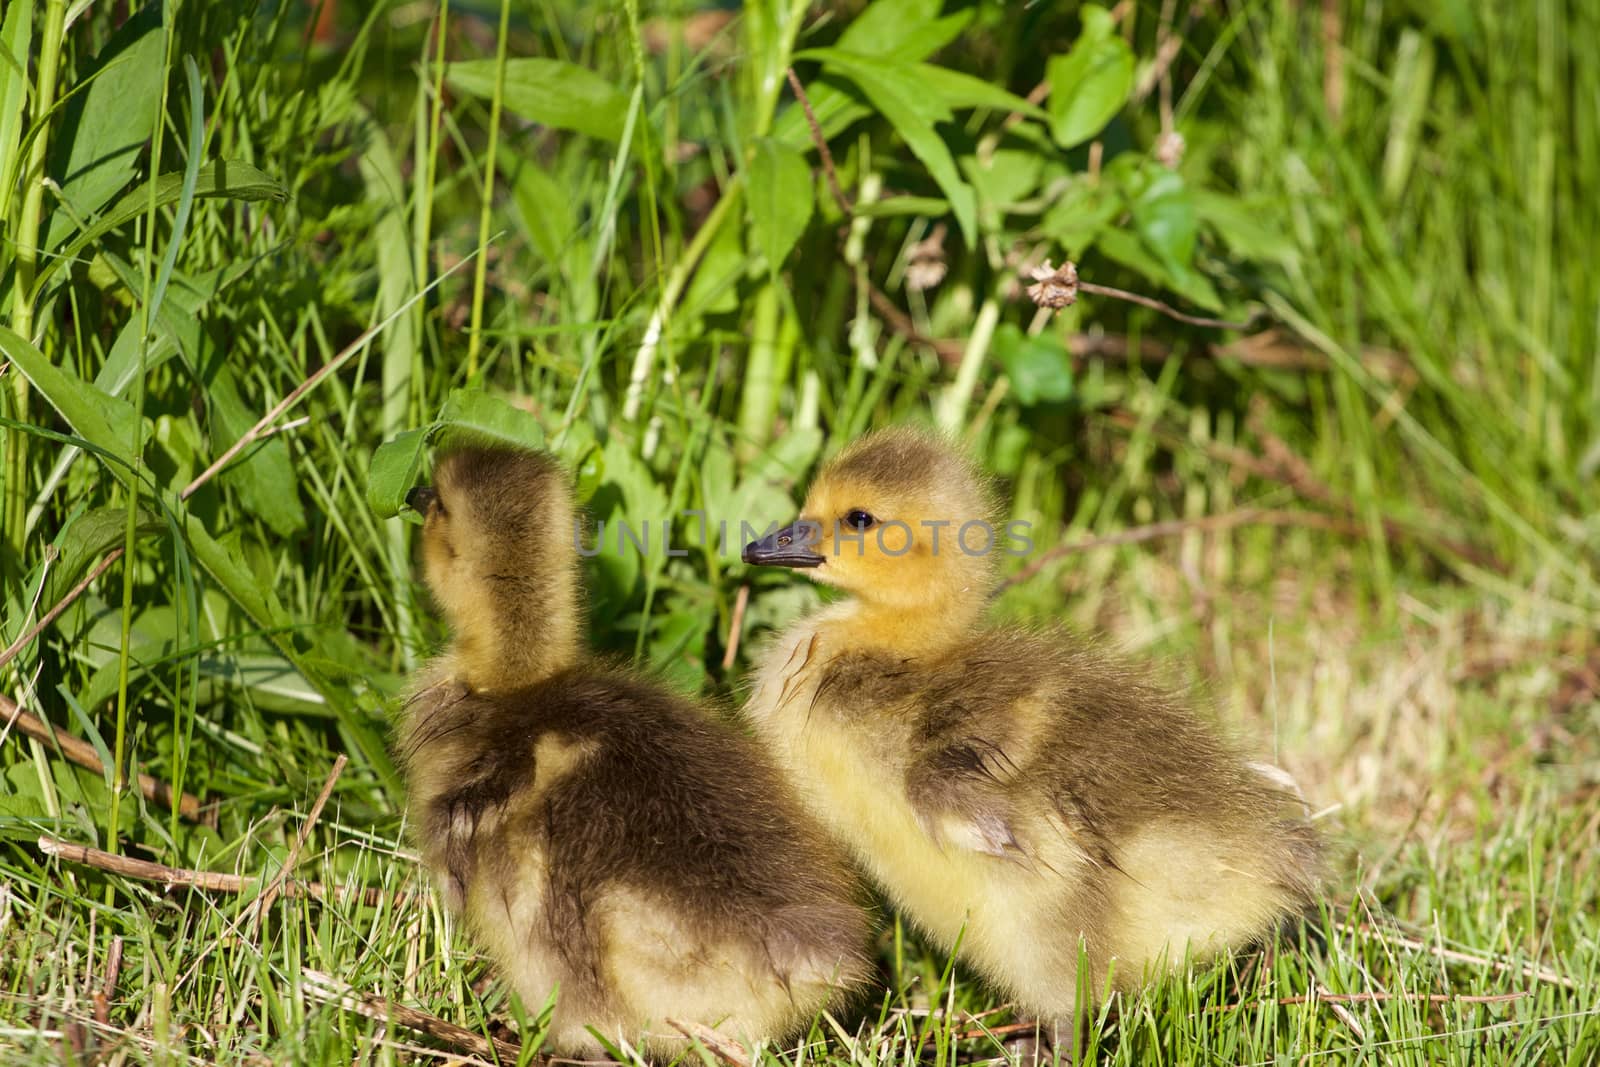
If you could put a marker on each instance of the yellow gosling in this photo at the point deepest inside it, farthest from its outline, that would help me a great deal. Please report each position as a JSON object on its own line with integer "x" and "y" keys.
{"x": 1014, "y": 788}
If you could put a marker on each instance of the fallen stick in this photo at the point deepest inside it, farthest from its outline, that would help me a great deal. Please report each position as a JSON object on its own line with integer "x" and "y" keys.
{"x": 83, "y": 754}
{"x": 213, "y": 881}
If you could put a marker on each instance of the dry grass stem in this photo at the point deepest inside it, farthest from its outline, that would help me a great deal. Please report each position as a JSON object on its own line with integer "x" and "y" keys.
{"x": 266, "y": 899}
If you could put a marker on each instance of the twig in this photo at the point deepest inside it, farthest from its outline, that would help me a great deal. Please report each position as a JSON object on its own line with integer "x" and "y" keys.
{"x": 1173, "y": 527}
{"x": 213, "y": 881}
{"x": 996, "y": 1031}
{"x": 1528, "y": 970}
{"x": 83, "y": 754}
{"x": 54, "y": 613}
{"x": 144, "y": 870}
{"x": 1036, "y": 96}
{"x": 266, "y": 899}
{"x": 821, "y": 142}
{"x": 900, "y": 323}
{"x": 1345, "y": 1015}
{"x": 1165, "y": 309}
{"x": 736, "y": 626}
{"x": 104, "y": 995}
{"x": 327, "y": 988}
{"x": 725, "y": 1048}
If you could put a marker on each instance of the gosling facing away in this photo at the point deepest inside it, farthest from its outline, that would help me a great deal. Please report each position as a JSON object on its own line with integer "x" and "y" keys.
{"x": 602, "y": 836}
{"x": 1015, "y": 789}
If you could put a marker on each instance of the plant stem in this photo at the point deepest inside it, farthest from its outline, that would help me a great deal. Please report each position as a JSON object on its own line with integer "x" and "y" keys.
{"x": 953, "y": 404}
{"x": 475, "y": 335}
{"x": 27, "y": 265}
{"x": 147, "y": 308}
{"x": 644, "y": 359}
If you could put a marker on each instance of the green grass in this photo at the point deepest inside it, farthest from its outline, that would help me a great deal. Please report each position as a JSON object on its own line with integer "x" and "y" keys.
{"x": 665, "y": 291}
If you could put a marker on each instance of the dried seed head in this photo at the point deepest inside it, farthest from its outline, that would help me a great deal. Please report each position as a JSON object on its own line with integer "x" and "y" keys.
{"x": 1052, "y": 288}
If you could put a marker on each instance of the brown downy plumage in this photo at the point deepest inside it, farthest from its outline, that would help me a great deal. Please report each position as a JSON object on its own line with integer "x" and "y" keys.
{"x": 1017, "y": 789}
{"x": 600, "y": 834}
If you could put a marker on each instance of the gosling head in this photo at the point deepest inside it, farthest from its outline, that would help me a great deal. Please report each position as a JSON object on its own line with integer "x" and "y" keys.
{"x": 903, "y": 521}
{"x": 499, "y": 556}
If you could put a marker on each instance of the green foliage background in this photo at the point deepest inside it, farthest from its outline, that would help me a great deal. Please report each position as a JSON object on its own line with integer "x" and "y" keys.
{"x": 1366, "y": 521}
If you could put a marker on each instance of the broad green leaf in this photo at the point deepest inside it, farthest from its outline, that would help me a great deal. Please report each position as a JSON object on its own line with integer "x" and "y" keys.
{"x": 1127, "y": 249}
{"x": 106, "y": 422}
{"x": 16, "y": 34}
{"x": 219, "y": 178}
{"x": 469, "y": 416}
{"x": 1039, "y": 367}
{"x": 892, "y": 34}
{"x": 1082, "y": 211}
{"x": 678, "y": 645}
{"x": 1004, "y": 176}
{"x": 1089, "y": 84}
{"x": 894, "y": 90}
{"x": 1243, "y": 228}
{"x": 86, "y": 538}
{"x": 103, "y": 128}
{"x": 1164, "y": 215}
{"x": 265, "y": 480}
{"x": 959, "y": 90}
{"x": 1197, "y": 289}
{"x": 779, "y": 192}
{"x": 478, "y": 416}
{"x": 549, "y": 91}
{"x": 896, "y": 79}
{"x": 393, "y": 471}
{"x": 643, "y": 499}
{"x": 885, "y": 26}
{"x": 629, "y": 498}
{"x": 714, "y": 289}
{"x": 588, "y": 472}
{"x": 543, "y": 208}
{"x": 274, "y": 683}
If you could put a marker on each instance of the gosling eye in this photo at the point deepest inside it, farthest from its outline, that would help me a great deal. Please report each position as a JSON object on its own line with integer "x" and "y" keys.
{"x": 859, "y": 519}
{"x": 423, "y": 499}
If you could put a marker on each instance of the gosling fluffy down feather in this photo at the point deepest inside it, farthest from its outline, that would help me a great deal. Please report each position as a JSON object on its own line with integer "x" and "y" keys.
{"x": 602, "y": 835}
{"x": 1021, "y": 791}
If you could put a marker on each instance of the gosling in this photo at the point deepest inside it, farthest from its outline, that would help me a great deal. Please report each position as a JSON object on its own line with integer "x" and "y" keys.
{"x": 605, "y": 839}
{"x": 1063, "y": 819}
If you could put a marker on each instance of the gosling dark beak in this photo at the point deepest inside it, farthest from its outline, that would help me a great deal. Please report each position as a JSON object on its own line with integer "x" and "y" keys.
{"x": 789, "y": 547}
{"x": 420, "y": 499}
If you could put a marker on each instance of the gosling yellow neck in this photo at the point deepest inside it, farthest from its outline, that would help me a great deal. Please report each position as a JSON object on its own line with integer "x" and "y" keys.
{"x": 518, "y": 647}
{"x": 926, "y": 629}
